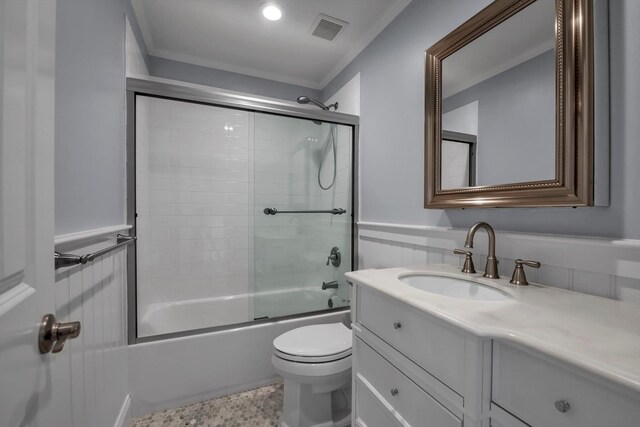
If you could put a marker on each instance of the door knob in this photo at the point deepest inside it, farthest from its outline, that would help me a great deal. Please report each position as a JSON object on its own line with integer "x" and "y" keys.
{"x": 53, "y": 334}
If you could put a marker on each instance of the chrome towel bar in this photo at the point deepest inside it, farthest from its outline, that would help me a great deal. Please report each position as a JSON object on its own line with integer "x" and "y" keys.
{"x": 67, "y": 260}
{"x": 334, "y": 211}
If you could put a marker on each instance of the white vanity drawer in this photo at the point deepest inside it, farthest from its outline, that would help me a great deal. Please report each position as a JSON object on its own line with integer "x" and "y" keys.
{"x": 370, "y": 411}
{"x": 412, "y": 403}
{"x": 529, "y": 387}
{"x": 436, "y": 348}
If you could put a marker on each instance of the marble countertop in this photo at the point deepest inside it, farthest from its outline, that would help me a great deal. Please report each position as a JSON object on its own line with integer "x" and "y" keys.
{"x": 599, "y": 335}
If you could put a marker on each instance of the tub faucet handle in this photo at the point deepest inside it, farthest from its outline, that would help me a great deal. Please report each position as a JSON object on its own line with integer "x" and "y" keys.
{"x": 335, "y": 257}
{"x": 468, "y": 266}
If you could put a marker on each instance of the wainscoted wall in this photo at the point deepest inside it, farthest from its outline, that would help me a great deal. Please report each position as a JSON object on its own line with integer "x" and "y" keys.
{"x": 92, "y": 371}
{"x": 604, "y": 267}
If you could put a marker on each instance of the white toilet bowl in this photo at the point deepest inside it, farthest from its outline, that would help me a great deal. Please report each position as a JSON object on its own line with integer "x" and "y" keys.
{"x": 315, "y": 362}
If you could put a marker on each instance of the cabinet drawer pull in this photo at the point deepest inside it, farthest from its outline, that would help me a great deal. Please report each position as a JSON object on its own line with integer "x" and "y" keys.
{"x": 562, "y": 405}
{"x": 397, "y": 325}
{"x": 394, "y": 392}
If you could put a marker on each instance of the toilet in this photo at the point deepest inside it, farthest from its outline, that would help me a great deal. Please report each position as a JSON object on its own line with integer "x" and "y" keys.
{"x": 315, "y": 362}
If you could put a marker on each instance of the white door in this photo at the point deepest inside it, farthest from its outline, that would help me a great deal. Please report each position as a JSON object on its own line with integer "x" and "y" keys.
{"x": 27, "y": 43}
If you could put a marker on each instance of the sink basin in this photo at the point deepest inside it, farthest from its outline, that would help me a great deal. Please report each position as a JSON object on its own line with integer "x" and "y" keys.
{"x": 452, "y": 287}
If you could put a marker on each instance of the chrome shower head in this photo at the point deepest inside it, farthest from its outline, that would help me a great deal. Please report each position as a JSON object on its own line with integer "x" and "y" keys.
{"x": 306, "y": 99}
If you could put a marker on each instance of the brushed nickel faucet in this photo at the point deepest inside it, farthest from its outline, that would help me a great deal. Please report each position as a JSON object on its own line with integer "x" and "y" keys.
{"x": 491, "y": 269}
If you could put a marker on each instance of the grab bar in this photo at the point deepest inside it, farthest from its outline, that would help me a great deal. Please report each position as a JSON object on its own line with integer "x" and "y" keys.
{"x": 334, "y": 211}
{"x": 67, "y": 260}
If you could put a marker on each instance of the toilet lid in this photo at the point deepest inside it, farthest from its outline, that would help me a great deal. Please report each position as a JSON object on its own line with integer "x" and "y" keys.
{"x": 331, "y": 341}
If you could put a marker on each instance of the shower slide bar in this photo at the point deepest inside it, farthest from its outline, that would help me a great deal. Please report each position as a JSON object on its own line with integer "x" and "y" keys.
{"x": 334, "y": 211}
{"x": 67, "y": 260}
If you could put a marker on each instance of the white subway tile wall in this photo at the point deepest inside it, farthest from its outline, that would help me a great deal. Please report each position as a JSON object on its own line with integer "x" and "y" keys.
{"x": 203, "y": 178}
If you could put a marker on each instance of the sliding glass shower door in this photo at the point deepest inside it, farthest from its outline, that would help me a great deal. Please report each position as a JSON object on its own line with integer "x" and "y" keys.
{"x": 302, "y": 173}
{"x": 207, "y": 254}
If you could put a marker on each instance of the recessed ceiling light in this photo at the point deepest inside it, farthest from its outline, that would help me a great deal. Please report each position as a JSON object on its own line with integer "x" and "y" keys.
{"x": 271, "y": 11}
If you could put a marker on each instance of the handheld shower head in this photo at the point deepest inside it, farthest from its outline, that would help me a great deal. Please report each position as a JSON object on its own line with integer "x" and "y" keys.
{"x": 305, "y": 100}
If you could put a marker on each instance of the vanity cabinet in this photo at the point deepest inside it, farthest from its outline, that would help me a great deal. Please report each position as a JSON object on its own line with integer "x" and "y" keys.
{"x": 544, "y": 393}
{"x": 434, "y": 346}
{"x": 412, "y": 368}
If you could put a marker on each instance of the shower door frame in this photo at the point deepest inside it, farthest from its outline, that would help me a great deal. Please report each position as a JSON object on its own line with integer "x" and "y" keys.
{"x": 218, "y": 98}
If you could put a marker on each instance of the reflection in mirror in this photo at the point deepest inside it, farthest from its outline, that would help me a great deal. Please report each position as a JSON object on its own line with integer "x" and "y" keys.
{"x": 458, "y": 153}
{"x": 500, "y": 91}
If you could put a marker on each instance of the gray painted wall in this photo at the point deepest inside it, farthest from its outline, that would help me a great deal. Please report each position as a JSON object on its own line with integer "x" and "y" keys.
{"x": 90, "y": 108}
{"x": 89, "y": 134}
{"x": 392, "y": 120}
{"x": 516, "y": 121}
{"x": 169, "y": 69}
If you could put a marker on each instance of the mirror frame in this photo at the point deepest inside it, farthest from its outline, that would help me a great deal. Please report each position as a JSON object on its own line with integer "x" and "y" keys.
{"x": 573, "y": 183}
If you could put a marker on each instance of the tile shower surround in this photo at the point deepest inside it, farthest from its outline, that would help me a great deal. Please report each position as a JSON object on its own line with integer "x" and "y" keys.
{"x": 198, "y": 202}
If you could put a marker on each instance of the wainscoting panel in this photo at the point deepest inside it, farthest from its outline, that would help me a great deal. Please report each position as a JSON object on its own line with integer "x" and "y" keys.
{"x": 603, "y": 267}
{"x": 93, "y": 369}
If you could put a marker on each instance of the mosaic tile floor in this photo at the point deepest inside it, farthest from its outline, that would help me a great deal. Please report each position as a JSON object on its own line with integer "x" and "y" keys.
{"x": 260, "y": 407}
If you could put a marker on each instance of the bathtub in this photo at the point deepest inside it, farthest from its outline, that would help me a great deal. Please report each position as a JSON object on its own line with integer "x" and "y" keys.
{"x": 176, "y": 371}
{"x": 177, "y": 316}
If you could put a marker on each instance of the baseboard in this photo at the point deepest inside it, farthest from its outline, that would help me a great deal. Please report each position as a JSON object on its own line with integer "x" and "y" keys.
{"x": 124, "y": 417}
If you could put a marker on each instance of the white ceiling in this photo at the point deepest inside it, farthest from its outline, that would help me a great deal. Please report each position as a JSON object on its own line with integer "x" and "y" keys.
{"x": 523, "y": 36}
{"x": 232, "y": 35}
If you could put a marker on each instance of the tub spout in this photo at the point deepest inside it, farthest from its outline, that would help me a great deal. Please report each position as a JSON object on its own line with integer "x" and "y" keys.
{"x": 330, "y": 285}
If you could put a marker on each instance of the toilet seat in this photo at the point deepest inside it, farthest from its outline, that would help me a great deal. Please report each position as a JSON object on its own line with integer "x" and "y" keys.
{"x": 314, "y": 344}
{"x": 311, "y": 359}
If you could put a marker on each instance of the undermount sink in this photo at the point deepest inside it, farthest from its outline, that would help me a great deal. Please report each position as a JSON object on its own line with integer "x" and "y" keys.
{"x": 452, "y": 287}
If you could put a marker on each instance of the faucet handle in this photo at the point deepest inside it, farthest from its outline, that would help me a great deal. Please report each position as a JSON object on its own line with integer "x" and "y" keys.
{"x": 468, "y": 266}
{"x": 519, "y": 278}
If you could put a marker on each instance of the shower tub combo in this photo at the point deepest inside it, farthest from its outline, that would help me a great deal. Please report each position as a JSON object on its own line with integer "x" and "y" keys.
{"x": 244, "y": 214}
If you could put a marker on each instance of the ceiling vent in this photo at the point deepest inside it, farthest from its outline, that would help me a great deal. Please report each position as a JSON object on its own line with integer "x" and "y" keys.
{"x": 327, "y": 27}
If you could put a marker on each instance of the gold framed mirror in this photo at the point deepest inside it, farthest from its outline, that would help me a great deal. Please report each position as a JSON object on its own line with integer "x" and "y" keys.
{"x": 514, "y": 85}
